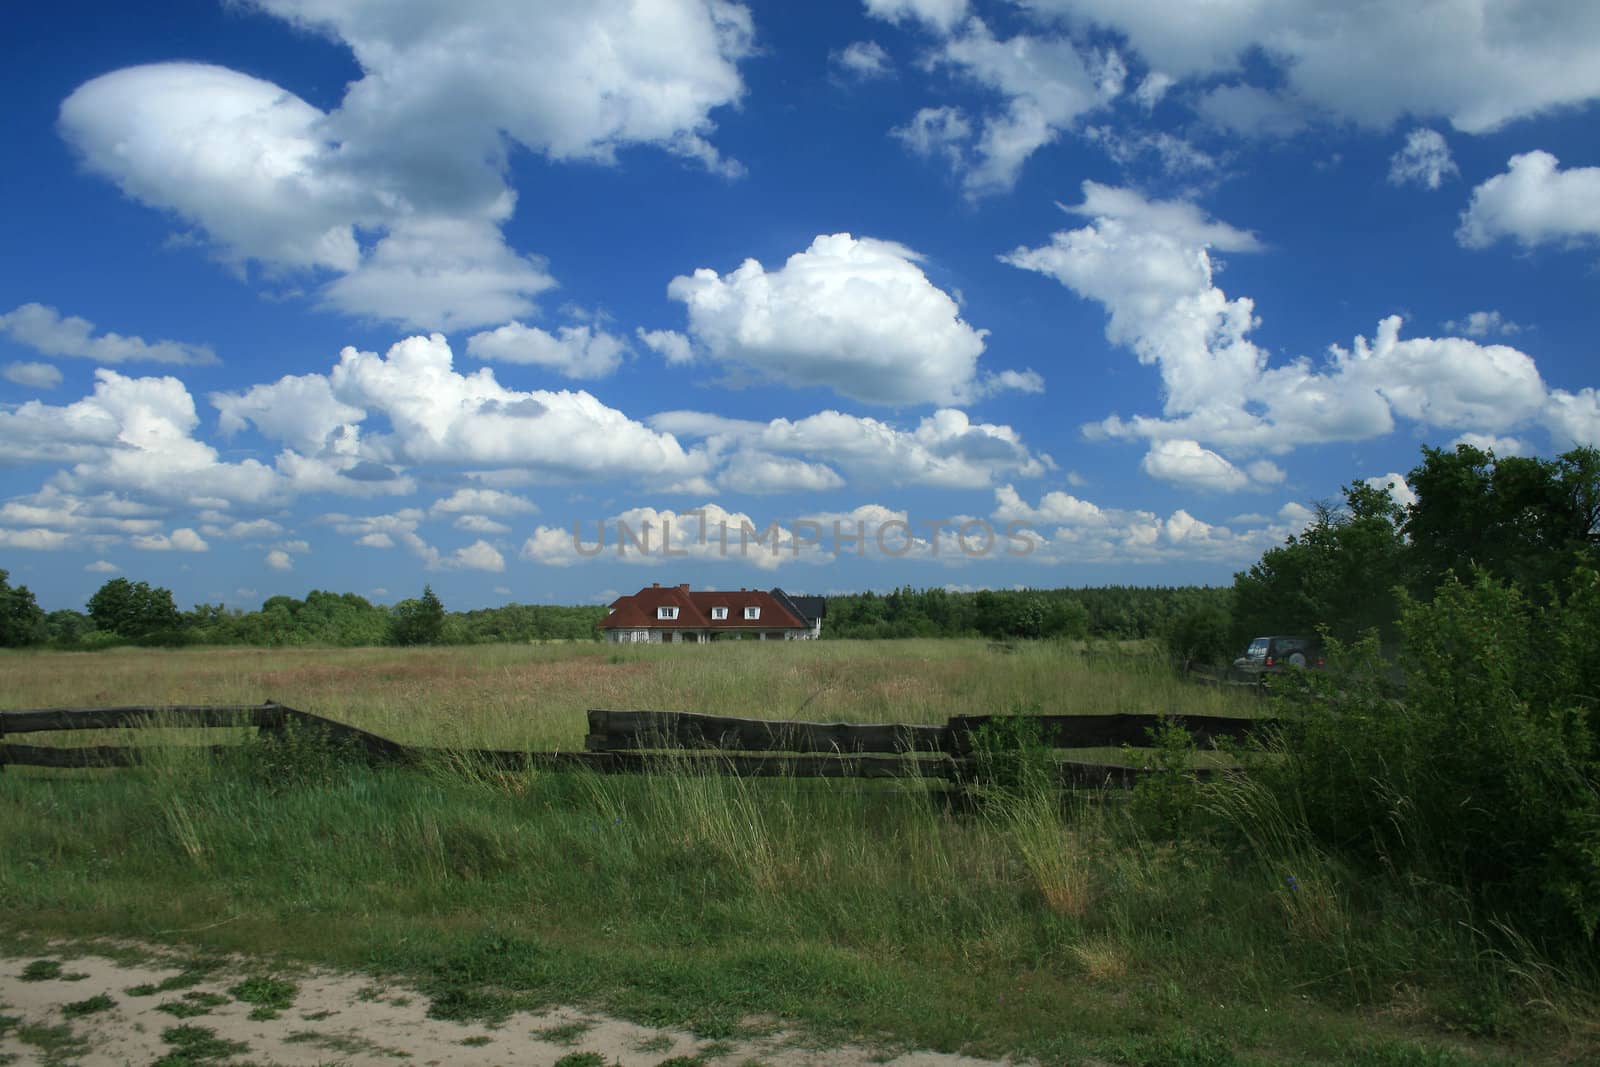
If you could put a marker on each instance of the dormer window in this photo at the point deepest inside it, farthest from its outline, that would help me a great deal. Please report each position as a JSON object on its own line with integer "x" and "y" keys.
{"x": 718, "y": 614}
{"x": 752, "y": 613}
{"x": 666, "y": 613}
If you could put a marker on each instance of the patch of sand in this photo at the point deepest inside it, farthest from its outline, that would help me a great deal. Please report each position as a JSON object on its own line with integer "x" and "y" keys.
{"x": 341, "y": 1018}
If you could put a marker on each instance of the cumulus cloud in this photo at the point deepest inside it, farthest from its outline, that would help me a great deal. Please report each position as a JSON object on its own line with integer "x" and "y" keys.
{"x": 578, "y": 351}
{"x": 182, "y": 539}
{"x": 671, "y": 345}
{"x": 385, "y": 531}
{"x": 279, "y": 560}
{"x": 945, "y": 449}
{"x": 1188, "y": 464}
{"x": 937, "y": 14}
{"x": 299, "y": 410}
{"x": 439, "y": 416}
{"x": 862, "y": 61}
{"x": 101, "y": 566}
{"x": 1399, "y": 489}
{"x": 36, "y": 540}
{"x": 415, "y": 153}
{"x": 941, "y": 132}
{"x": 1062, "y": 528}
{"x": 33, "y": 375}
{"x": 1477, "y": 63}
{"x": 45, "y": 330}
{"x": 483, "y": 502}
{"x": 1488, "y": 442}
{"x": 759, "y": 472}
{"x": 1045, "y": 84}
{"x": 1534, "y": 202}
{"x": 1425, "y": 160}
{"x": 1484, "y": 324}
{"x": 1574, "y": 418}
{"x": 1149, "y": 264}
{"x": 854, "y": 315}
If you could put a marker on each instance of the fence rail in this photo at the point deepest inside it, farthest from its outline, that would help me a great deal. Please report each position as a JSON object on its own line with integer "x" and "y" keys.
{"x": 635, "y": 742}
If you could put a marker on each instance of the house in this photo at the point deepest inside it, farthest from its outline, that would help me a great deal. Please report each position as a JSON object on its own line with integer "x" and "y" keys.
{"x": 677, "y": 614}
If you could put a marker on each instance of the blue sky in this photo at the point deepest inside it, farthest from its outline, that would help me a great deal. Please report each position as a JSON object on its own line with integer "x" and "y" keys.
{"x": 360, "y": 296}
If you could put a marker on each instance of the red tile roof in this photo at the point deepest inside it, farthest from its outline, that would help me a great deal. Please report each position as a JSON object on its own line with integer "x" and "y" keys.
{"x": 638, "y": 612}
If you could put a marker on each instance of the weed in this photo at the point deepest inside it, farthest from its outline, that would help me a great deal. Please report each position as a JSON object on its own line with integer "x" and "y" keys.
{"x": 564, "y": 1033}
{"x": 477, "y": 1040}
{"x": 714, "y": 1050}
{"x": 318, "y": 1016}
{"x": 683, "y": 1061}
{"x": 47, "y": 971}
{"x": 58, "y": 1045}
{"x": 193, "y": 973}
{"x": 91, "y": 1006}
{"x": 657, "y": 1043}
{"x": 274, "y": 994}
{"x": 581, "y": 1059}
{"x": 192, "y": 1045}
{"x": 9, "y": 1023}
{"x": 193, "y": 1005}
{"x": 346, "y": 1043}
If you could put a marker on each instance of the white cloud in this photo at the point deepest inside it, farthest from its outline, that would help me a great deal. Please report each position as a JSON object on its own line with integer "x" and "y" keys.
{"x": 101, "y": 566}
{"x": 945, "y": 449}
{"x": 1425, "y": 160}
{"x": 1045, "y": 84}
{"x": 385, "y": 531}
{"x": 863, "y": 60}
{"x": 937, "y": 131}
{"x": 855, "y": 315}
{"x": 1187, "y": 464}
{"x": 579, "y": 351}
{"x": 34, "y": 540}
{"x": 44, "y": 329}
{"x": 33, "y": 375}
{"x": 439, "y": 416}
{"x": 1573, "y": 418}
{"x": 1500, "y": 446}
{"x": 937, "y": 14}
{"x": 299, "y": 410}
{"x": 279, "y": 560}
{"x": 182, "y": 539}
{"x": 415, "y": 154}
{"x": 1149, "y": 264}
{"x": 1484, "y": 324}
{"x": 1534, "y": 202}
{"x": 483, "y": 502}
{"x": 480, "y": 524}
{"x": 1400, "y": 490}
{"x": 758, "y": 472}
{"x": 671, "y": 345}
{"x": 1477, "y": 63}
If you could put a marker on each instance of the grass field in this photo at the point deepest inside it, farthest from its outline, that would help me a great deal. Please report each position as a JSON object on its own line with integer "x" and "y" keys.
{"x": 715, "y": 903}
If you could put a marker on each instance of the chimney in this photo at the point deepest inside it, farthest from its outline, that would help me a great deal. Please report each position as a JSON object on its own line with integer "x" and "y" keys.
{"x": 655, "y": 585}
{"x": 684, "y": 587}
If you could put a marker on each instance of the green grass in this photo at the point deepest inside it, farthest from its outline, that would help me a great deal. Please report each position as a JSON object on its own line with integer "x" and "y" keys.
{"x": 48, "y": 971}
{"x": 58, "y": 1045}
{"x": 196, "y": 1045}
{"x": 851, "y": 910}
{"x": 563, "y": 1033}
{"x": 269, "y": 995}
{"x": 90, "y": 1006}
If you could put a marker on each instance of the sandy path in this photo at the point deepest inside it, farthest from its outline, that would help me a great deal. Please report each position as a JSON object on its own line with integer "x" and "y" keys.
{"x": 339, "y": 1018}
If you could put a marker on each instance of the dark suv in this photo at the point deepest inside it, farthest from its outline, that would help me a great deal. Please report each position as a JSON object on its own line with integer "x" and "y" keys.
{"x": 1272, "y": 655}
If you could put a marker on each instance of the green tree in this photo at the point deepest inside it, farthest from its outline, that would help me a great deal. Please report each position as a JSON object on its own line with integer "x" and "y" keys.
{"x": 133, "y": 609}
{"x": 21, "y": 621}
{"x": 419, "y": 621}
{"x": 1341, "y": 573}
{"x": 1522, "y": 519}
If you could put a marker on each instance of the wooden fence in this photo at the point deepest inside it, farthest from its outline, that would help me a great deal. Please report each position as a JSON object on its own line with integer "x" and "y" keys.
{"x": 659, "y": 742}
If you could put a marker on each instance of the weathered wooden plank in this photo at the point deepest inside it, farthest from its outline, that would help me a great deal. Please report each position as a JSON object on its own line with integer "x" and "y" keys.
{"x": 35, "y": 720}
{"x": 1104, "y": 731}
{"x": 376, "y": 749}
{"x": 623, "y": 730}
{"x": 90, "y": 755}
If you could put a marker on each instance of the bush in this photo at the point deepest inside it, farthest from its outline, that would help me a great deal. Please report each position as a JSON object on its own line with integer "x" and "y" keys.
{"x": 1486, "y": 779}
{"x": 1202, "y": 634}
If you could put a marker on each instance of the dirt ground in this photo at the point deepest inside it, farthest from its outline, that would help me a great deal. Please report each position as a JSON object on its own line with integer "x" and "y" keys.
{"x": 60, "y": 1016}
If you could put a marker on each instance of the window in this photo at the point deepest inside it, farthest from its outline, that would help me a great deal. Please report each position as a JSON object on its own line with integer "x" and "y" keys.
{"x": 719, "y": 613}
{"x": 752, "y": 613}
{"x": 666, "y": 613}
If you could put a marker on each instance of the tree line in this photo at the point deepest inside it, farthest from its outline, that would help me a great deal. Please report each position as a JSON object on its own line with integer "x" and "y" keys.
{"x": 125, "y": 612}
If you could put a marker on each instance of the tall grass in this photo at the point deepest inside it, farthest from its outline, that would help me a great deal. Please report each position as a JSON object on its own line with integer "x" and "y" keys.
{"x": 1065, "y": 933}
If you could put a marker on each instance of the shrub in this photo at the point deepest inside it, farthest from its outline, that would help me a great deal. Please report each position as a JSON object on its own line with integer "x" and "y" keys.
{"x": 1484, "y": 779}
